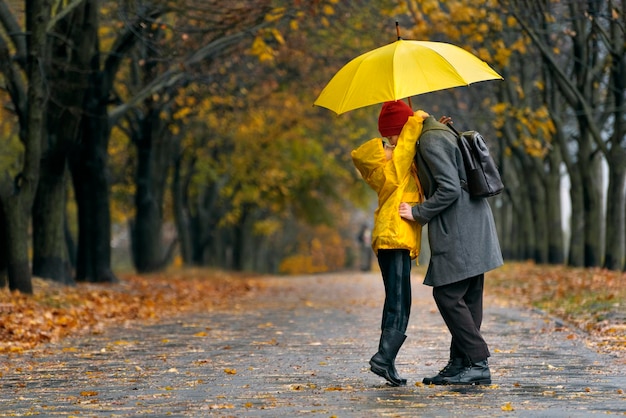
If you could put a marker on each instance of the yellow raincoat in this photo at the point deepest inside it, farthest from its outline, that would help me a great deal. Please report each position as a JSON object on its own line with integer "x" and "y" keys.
{"x": 395, "y": 181}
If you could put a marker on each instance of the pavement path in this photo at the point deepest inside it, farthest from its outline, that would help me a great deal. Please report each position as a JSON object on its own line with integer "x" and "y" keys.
{"x": 299, "y": 346}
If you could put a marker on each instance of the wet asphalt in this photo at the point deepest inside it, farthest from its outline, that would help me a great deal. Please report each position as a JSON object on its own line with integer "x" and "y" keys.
{"x": 299, "y": 347}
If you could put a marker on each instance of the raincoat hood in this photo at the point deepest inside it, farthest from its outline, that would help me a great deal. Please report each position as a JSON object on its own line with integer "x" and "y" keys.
{"x": 395, "y": 181}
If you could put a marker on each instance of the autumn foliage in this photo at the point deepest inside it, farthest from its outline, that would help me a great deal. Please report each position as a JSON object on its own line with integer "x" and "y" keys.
{"x": 590, "y": 299}
{"x": 56, "y": 311}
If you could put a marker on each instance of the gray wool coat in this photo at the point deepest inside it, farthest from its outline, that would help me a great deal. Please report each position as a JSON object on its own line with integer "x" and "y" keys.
{"x": 461, "y": 231}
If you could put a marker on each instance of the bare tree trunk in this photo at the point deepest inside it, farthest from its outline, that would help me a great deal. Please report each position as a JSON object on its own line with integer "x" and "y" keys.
{"x": 146, "y": 226}
{"x": 553, "y": 200}
{"x": 245, "y": 245}
{"x": 616, "y": 202}
{"x": 91, "y": 185}
{"x": 18, "y": 267}
{"x": 50, "y": 257}
{"x": 18, "y": 204}
{"x": 203, "y": 225}
{"x": 506, "y": 231}
{"x": 154, "y": 156}
{"x": 615, "y": 254}
{"x": 591, "y": 173}
{"x": 510, "y": 232}
{"x": 181, "y": 215}
{"x": 527, "y": 228}
{"x": 71, "y": 49}
{"x": 576, "y": 257}
{"x": 538, "y": 206}
{"x": 3, "y": 247}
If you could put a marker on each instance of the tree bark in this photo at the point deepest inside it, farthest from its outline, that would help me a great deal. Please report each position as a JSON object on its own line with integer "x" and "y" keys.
{"x": 18, "y": 203}
{"x": 616, "y": 202}
{"x": 18, "y": 266}
{"x": 181, "y": 215}
{"x": 50, "y": 257}
{"x": 88, "y": 164}
{"x": 615, "y": 253}
{"x": 154, "y": 156}
{"x": 591, "y": 174}
{"x": 71, "y": 49}
{"x": 576, "y": 256}
{"x": 3, "y": 247}
{"x": 538, "y": 207}
{"x": 554, "y": 210}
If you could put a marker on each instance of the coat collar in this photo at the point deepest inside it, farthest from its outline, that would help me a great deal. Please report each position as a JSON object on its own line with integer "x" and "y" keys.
{"x": 430, "y": 123}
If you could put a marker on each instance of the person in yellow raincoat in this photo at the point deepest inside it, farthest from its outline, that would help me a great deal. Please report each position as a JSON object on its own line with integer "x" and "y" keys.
{"x": 387, "y": 165}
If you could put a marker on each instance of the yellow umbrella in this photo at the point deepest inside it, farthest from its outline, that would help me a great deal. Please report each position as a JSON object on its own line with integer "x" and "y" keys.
{"x": 399, "y": 70}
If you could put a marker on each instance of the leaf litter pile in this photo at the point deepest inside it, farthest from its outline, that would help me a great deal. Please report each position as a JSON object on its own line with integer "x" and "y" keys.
{"x": 594, "y": 300}
{"x": 55, "y": 311}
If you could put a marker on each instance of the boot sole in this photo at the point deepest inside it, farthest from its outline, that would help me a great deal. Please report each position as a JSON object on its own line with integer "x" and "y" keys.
{"x": 382, "y": 372}
{"x": 474, "y": 383}
{"x": 427, "y": 381}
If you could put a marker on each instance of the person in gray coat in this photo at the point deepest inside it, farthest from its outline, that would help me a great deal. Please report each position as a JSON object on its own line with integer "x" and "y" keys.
{"x": 464, "y": 245}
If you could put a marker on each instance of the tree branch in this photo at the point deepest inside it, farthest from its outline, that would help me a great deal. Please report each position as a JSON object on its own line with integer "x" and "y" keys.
{"x": 14, "y": 83}
{"x": 64, "y": 12}
{"x": 15, "y": 32}
{"x": 573, "y": 96}
{"x": 178, "y": 71}
{"x": 122, "y": 44}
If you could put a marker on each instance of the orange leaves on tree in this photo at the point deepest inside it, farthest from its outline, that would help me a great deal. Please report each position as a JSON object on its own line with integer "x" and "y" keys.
{"x": 323, "y": 251}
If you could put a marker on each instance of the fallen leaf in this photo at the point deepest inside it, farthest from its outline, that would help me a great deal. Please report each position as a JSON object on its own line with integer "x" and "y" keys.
{"x": 507, "y": 407}
{"x": 222, "y": 406}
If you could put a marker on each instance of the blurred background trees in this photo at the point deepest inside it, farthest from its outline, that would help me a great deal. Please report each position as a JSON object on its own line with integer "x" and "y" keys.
{"x": 144, "y": 134}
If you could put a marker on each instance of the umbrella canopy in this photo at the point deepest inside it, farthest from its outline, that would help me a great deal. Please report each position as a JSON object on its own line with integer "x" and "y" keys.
{"x": 399, "y": 70}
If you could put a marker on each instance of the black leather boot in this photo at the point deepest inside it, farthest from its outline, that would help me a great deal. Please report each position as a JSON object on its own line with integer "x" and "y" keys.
{"x": 475, "y": 374}
{"x": 455, "y": 366}
{"x": 383, "y": 362}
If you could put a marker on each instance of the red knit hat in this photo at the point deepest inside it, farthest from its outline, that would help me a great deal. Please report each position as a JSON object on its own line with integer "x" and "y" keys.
{"x": 392, "y": 117}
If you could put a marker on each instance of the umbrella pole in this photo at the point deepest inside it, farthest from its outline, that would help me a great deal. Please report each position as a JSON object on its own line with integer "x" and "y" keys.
{"x": 410, "y": 104}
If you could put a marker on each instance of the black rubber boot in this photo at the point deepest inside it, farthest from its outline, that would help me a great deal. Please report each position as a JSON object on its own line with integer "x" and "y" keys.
{"x": 474, "y": 374}
{"x": 383, "y": 362}
{"x": 455, "y": 366}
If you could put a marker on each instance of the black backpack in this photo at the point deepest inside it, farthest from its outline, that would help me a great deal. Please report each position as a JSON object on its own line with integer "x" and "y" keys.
{"x": 483, "y": 177}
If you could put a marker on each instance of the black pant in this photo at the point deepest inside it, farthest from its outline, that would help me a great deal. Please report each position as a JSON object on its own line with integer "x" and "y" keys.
{"x": 395, "y": 266}
{"x": 461, "y": 307}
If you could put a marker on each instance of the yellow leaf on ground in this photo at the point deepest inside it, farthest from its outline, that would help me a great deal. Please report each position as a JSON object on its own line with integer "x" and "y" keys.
{"x": 507, "y": 407}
